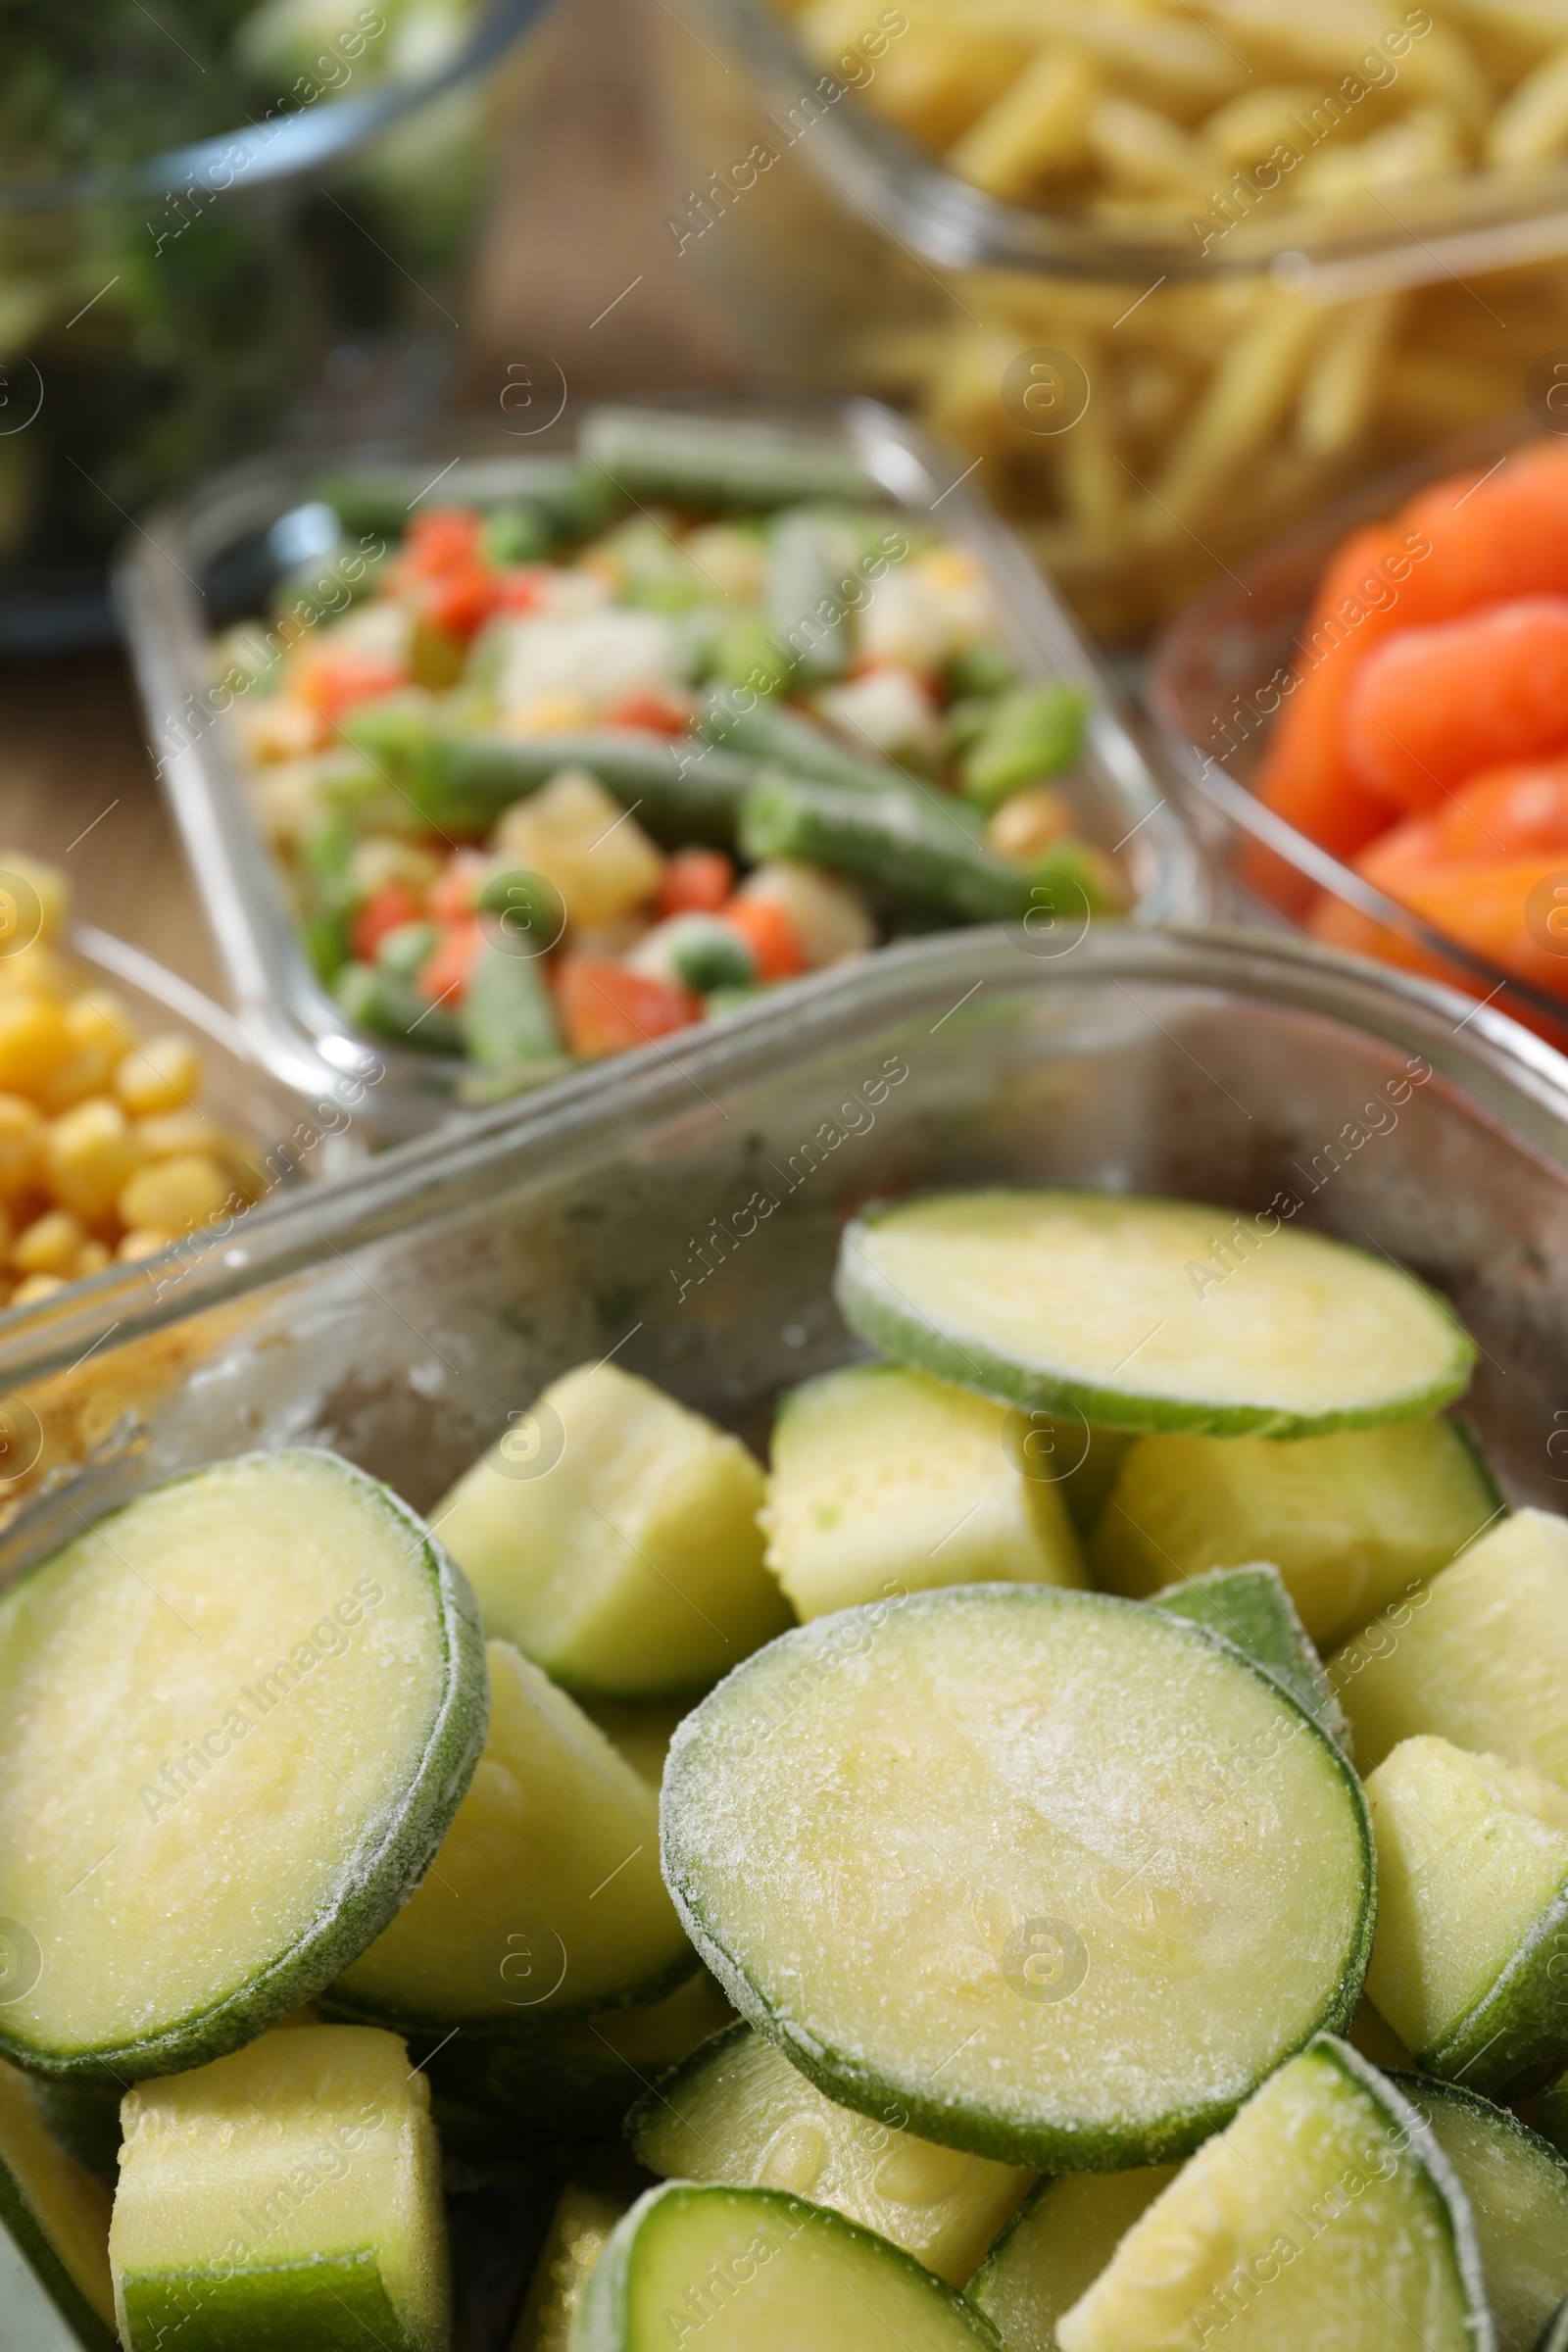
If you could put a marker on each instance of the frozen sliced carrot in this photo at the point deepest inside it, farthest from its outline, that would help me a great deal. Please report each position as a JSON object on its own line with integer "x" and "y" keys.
{"x": 607, "y": 1010}
{"x": 1429, "y": 707}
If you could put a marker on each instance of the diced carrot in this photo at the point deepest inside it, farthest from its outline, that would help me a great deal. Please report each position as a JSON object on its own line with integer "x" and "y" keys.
{"x": 696, "y": 882}
{"x": 653, "y": 713}
{"x": 771, "y": 937}
{"x": 332, "y": 680}
{"x": 1430, "y": 707}
{"x": 459, "y": 601}
{"x": 523, "y": 587}
{"x": 451, "y": 895}
{"x": 393, "y": 905}
{"x": 446, "y": 972}
{"x": 604, "y": 1008}
{"x": 439, "y": 541}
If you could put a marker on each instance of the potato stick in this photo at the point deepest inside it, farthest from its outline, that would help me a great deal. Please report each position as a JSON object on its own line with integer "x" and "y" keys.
{"x": 1517, "y": 32}
{"x": 1251, "y": 390}
{"x": 1337, "y": 396}
{"x": 935, "y": 89}
{"x": 1139, "y": 149}
{"x": 1176, "y": 59}
{"x": 1334, "y": 39}
{"x": 1035, "y": 128}
{"x": 1532, "y": 123}
{"x": 1248, "y": 129}
{"x": 1093, "y": 485}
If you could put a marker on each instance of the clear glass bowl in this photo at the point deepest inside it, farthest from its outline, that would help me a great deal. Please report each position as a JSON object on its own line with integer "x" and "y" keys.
{"x": 228, "y": 539}
{"x": 1209, "y": 686}
{"x": 399, "y": 1316}
{"x": 178, "y": 307}
{"x": 1151, "y": 412}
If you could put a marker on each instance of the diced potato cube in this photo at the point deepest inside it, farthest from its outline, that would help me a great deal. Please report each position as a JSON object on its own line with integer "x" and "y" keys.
{"x": 37, "y": 1286}
{"x": 165, "y": 1075}
{"x": 580, "y": 839}
{"x": 21, "y": 1143}
{"x": 50, "y": 1245}
{"x": 382, "y": 858}
{"x": 89, "y": 1155}
{"x": 33, "y": 1037}
{"x": 174, "y": 1195}
{"x": 1030, "y": 823}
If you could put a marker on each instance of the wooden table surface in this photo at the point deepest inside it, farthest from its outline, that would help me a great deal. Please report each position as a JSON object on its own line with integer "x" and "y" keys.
{"x": 578, "y": 208}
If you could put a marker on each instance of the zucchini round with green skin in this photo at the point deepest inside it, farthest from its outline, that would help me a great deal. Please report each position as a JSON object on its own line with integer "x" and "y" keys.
{"x": 748, "y": 2270}
{"x": 738, "y": 2111}
{"x": 1326, "y": 2215}
{"x": 1055, "y": 2247}
{"x": 288, "y": 2195}
{"x": 579, "y": 2231}
{"x": 1517, "y": 2187}
{"x": 544, "y": 1901}
{"x": 1061, "y": 1877}
{"x": 236, "y": 1720}
{"x": 1250, "y": 1607}
{"x": 1472, "y": 1938}
{"x": 1089, "y": 1300}
{"x": 57, "y": 2213}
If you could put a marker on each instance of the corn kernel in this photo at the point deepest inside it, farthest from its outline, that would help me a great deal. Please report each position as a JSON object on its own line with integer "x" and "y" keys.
{"x": 38, "y": 970}
{"x": 88, "y": 1157}
{"x": 141, "y": 1242}
{"x": 167, "y": 1133}
{"x": 33, "y": 1037}
{"x": 164, "y": 1076}
{"x": 91, "y": 1258}
{"x": 37, "y": 1286}
{"x": 99, "y": 1018}
{"x": 50, "y": 1245}
{"x": 40, "y": 908}
{"x": 21, "y": 1143}
{"x": 174, "y": 1195}
{"x": 89, "y": 1070}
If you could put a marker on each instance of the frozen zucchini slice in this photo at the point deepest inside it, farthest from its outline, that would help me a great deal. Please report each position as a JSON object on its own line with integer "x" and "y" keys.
{"x": 1094, "y": 1300}
{"x": 1059, "y": 1876}
{"x": 1554, "y": 2115}
{"x": 545, "y": 1899}
{"x": 287, "y": 2194}
{"x": 57, "y": 2213}
{"x": 504, "y": 2106}
{"x": 1351, "y": 1520}
{"x": 1518, "y": 2193}
{"x": 750, "y": 2270}
{"x": 739, "y": 2111}
{"x": 1056, "y": 2244}
{"x": 1326, "y": 2215}
{"x": 1554, "y": 2336}
{"x": 579, "y": 2231}
{"x": 1472, "y": 1915}
{"x": 612, "y": 1535}
{"x": 1250, "y": 1607}
{"x": 886, "y": 1480}
{"x": 236, "y": 1719}
{"x": 1479, "y": 1655}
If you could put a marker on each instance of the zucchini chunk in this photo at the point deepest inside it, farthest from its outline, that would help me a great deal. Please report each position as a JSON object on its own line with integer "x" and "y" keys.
{"x": 236, "y": 1719}
{"x": 1554, "y": 2115}
{"x": 1554, "y": 2336}
{"x": 1055, "y": 2245}
{"x": 579, "y": 2231}
{"x": 1472, "y": 1915}
{"x": 1479, "y": 1655}
{"x": 886, "y": 1480}
{"x": 748, "y": 2270}
{"x": 545, "y": 1899}
{"x": 57, "y": 2213}
{"x": 612, "y": 1537}
{"x": 1517, "y": 2187}
{"x": 1327, "y": 2214}
{"x": 288, "y": 2194}
{"x": 738, "y": 2111}
{"x": 1351, "y": 1520}
{"x": 502, "y": 2107}
{"x": 1251, "y": 1607}
{"x": 958, "y": 1854}
{"x": 1116, "y": 1308}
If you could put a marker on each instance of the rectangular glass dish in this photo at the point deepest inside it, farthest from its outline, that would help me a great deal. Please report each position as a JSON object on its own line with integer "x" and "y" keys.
{"x": 687, "y": 1215}
{"x": 216, "y": 558}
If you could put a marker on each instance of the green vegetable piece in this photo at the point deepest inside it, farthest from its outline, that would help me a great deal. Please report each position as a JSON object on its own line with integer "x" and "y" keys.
{"x": 746, "y": 653}
{"x": 980, "y": 670}
{"x": 579, "y": 2230}
{"x": 1055, "y": 2245}
{"x": 705, "y": 954}
{"x": 530, "y": 910}
{"x": 403, "y": 953}
{"x": 804, "y": 598}
{"x": 682, "y": 792}
{"x": 519, "y": 533}
{"x": 391, "y": 729}
{"x": 1554, "y": 2336}
{"x": 1250, "y": 1607}
{"x": 509, "y": 1015}
{"x": 389, "y": 1007}
{"x": 658, "y": 574}
{"x": 58, "y": 2215}
{"x": 326, "y": 856}
{"x": 1517, "y": 2187}
{"x": 717, "y": 461}
{"x": 785, "y": 739}
{"x": 326, "y": 943}
{"x": 732, "y": 999}
{"x": 917, "y": 853}
{"x": 1555, "y": 2115}
{"x": 1036, "y": 731}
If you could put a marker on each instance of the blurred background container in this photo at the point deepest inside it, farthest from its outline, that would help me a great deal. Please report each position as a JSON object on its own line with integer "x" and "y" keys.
{"x": 215, "y": 223}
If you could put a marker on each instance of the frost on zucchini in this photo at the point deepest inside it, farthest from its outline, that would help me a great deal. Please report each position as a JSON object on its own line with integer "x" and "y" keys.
{"x": 1060, "y": 1876}
{"x": 544, "y": 1901}
{"x": 1110, "y": 1306}
{"x": 710, "y": 2268}
{"x": 1351, "y": 1520}
{"x": 1478, "y": 1655}
{"x": 57, "y": 2213}
{"x": 1517, "y": 2189}
{"x": 1326, "y": 2215}
{"x": 886, "y": 1480}
{"x": 1250, "y": 1607}
{"x": 738, "y": 2111}
{"x": 288, "y": 2194}
{"x": 1470, "y": 1961}
{"x": 236, "y": 1719}
{"x": 579, "y": 2231}
{"x": 1055, "y": 2247}
{"x": 611, "y": 1536}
